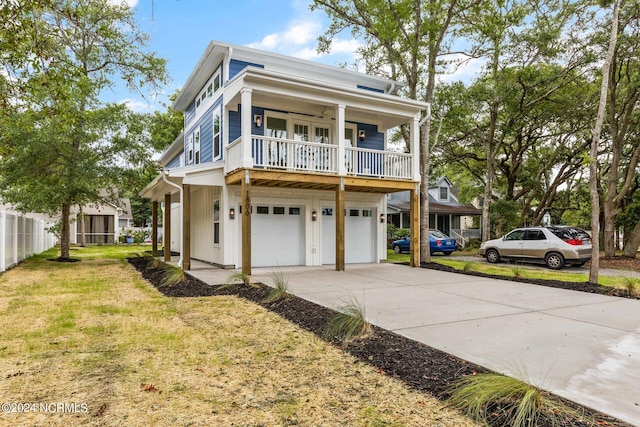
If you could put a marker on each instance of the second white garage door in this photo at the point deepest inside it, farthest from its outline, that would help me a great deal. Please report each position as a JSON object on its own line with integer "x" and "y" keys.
{"x": 359, "y": 231}
{"x": 277, "y": 236}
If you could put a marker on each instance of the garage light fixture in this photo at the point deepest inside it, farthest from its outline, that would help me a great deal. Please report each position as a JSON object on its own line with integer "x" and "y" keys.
{"x": 314, "y": 215}
{"x": 361, "y": 135}
{"x": 381, "y": 218}
{"x": 232, "y": 213}
{"x": 257, "y": 119}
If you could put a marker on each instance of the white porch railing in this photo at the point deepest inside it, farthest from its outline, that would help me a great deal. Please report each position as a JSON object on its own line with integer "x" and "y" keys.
{"x": 286, "y": 154}
{"x": 294, "y": 155}
{"x": 382, "y": 164}
{"x": 458, "y": 237}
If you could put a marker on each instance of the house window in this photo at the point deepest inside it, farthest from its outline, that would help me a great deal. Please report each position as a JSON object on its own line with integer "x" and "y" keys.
{"x": 217, "y": 132}
{"x": 327, "y": 211}
{"x": 190, "y": 149}
{"x": 216, "y": 222}
{"x": 367, "y": 213}
{"x": 263, "y": 210}
{"x": 207, "y": 95}
{"x": 278, "y": 210}
{"x": 444, "y": 193}
{"x": 354, "y": 212}
{"x": 196, "y": 145}
{"x": 294, "y": 211}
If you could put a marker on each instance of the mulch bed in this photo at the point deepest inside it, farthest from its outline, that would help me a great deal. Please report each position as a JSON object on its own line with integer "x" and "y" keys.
{"x": 421, "y": 367}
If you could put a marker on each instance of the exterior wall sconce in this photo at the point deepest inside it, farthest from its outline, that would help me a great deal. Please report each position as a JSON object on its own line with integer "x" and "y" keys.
{"x": 257, "y": 120}
{"x": 232, "y": 213}
{"x": 314, "y": 215}
{"x": 381, "y": 218}
{"x": 361, "y": 135}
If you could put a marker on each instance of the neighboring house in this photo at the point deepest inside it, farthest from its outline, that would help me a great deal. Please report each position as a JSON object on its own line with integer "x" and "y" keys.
{"x": 445, "y": 212}
{"x": 282, "y": 162}
{"x": 103, "y": 221}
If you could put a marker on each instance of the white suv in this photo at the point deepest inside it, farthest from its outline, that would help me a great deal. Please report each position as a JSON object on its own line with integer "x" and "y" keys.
{"x": 555, "y": 245}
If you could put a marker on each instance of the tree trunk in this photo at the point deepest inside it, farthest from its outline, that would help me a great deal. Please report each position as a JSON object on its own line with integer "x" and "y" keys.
{"x": 593, "y": 167}
{"x": 64, "y": 231}
{"x": 633, "y": 243}
{"x": 425, "y": 246}
{"x": 486, "y": 204}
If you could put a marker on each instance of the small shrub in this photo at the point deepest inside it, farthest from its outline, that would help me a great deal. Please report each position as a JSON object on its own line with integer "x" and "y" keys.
{"x": 349, "y": 323}
{"x": 237, "y": 279}
{"x": 139, "y": 236}
{"x": 172, "y": 275}
{"x": 497, "y": 399}
{"x": 468, "y": 266}
{"x": 517, "y": 272}
{"x": 632, "y": 286}
{"x": 280, "y": 279}
{"x": 154, "y": 263}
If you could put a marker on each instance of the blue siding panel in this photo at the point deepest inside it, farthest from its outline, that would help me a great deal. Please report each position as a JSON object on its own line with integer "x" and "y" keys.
{"x": 189, "y": 113}
{"x": 374, "y": 140}
{"x": 175, "y": 162}
{"x": 235, "y": 123}
{"x": 235, "y": 67}
{"x": 370, "y": 88}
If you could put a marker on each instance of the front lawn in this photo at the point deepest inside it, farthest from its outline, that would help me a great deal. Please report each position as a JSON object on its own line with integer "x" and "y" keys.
{"x": 95, "y": 334}
{"x": 512, "y": 270}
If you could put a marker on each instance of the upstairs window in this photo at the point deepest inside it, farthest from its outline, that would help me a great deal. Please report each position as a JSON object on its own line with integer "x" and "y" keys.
{"x": 189, "y": 149}
{"x": 444, "y": 193}
{"x": 207, "y": 95}
{"x": 196, "y": 145}
{"x": 217, "y": 132}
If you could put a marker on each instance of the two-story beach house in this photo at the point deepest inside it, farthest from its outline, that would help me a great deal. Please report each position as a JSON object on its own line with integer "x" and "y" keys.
{"x": 283, "y": 162}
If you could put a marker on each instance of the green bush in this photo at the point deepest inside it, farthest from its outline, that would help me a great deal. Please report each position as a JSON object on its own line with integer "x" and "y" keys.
{"x": 139, "y": 236}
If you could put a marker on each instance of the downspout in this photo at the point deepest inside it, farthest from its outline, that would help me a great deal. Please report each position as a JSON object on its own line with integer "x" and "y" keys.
{"x": 164, "y": 178}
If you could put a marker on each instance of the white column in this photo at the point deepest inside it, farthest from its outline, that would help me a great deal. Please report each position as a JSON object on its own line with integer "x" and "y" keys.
{"x": 247, "y": 119}
{"x": 3, "y": 240}
{"x": 340, "y": 116}
{"x": 414, "y": 147}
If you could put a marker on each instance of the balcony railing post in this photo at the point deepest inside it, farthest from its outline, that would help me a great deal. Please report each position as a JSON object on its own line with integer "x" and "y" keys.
{"x": 245, "y": 150}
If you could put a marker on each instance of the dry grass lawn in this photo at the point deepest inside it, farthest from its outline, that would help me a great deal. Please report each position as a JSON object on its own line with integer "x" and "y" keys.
{"x": 95, "y": 333}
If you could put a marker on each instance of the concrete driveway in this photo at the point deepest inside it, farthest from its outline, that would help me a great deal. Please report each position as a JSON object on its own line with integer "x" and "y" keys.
{"x": 580, "y": 346}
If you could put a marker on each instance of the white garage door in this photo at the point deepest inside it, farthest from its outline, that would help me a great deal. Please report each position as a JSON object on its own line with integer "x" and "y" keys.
{"x": 360, "y": 235}
{"x": 277, "y": 235}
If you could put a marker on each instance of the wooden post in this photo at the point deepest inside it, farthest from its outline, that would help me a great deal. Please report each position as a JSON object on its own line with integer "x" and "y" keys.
{"x": 167, "y": 227}
{"x": 186, "y": 227}
{"x": 340, "y": 226}
{"x": 414, "y": 256}
{"x": 154, "y": 228}
{"x": 246, "y": 223}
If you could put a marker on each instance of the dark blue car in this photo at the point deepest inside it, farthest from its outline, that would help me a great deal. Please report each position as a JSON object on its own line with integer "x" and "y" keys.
{"x": 438, "y": 242}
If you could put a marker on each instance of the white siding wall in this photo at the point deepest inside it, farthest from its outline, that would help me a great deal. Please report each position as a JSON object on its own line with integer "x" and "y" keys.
{"x": 176, "y": 227}
{"x": 202, "y": 246}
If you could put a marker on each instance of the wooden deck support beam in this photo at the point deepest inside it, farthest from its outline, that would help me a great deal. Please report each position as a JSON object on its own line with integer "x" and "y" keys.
{"x": 154, "y": 228}
{"x": 340, "y": 261}
{"x": 166, "y": 240}
{"x": 414, "y": 256}
{"x": 246, "y": 223}
{"x": 186, "y": 227}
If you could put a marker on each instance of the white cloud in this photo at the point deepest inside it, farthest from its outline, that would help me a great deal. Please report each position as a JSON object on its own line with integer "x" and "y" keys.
{"x": 139, "y": 106}
{"x": 130, "y": 3}
{"x": 466, "y": 71}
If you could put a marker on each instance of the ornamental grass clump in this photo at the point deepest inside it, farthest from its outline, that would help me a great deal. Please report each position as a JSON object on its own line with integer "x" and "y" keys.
{"x": 172, "y": 275}
{"x": 237, "y": 279}
{"x": 349, "y": 323}
{"x": 499, "y": 400}
{"x": 632, "y": 286}
{"x": 280, "y": 279}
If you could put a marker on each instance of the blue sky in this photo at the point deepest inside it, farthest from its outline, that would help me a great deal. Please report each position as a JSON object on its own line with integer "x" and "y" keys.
{"x": 180, "y": 31}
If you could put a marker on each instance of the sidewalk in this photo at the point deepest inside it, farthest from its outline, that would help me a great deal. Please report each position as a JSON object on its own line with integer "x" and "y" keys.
{"x": 580, "y": 346}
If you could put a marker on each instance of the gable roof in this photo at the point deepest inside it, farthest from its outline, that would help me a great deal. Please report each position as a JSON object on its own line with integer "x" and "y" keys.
{"x": 218, "y": 52}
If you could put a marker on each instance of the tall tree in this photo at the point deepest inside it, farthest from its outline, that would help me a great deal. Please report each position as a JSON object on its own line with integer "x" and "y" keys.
{"x": 61, "y": 142}
{"x": 402, "y": 36}
{"x": 593, "y": 165}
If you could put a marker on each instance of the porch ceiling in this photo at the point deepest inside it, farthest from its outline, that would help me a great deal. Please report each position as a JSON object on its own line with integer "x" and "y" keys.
{"x": 306, "y": 181}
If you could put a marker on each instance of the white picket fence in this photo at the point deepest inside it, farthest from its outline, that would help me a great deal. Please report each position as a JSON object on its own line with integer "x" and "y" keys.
{"x": 21, "y": 237}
